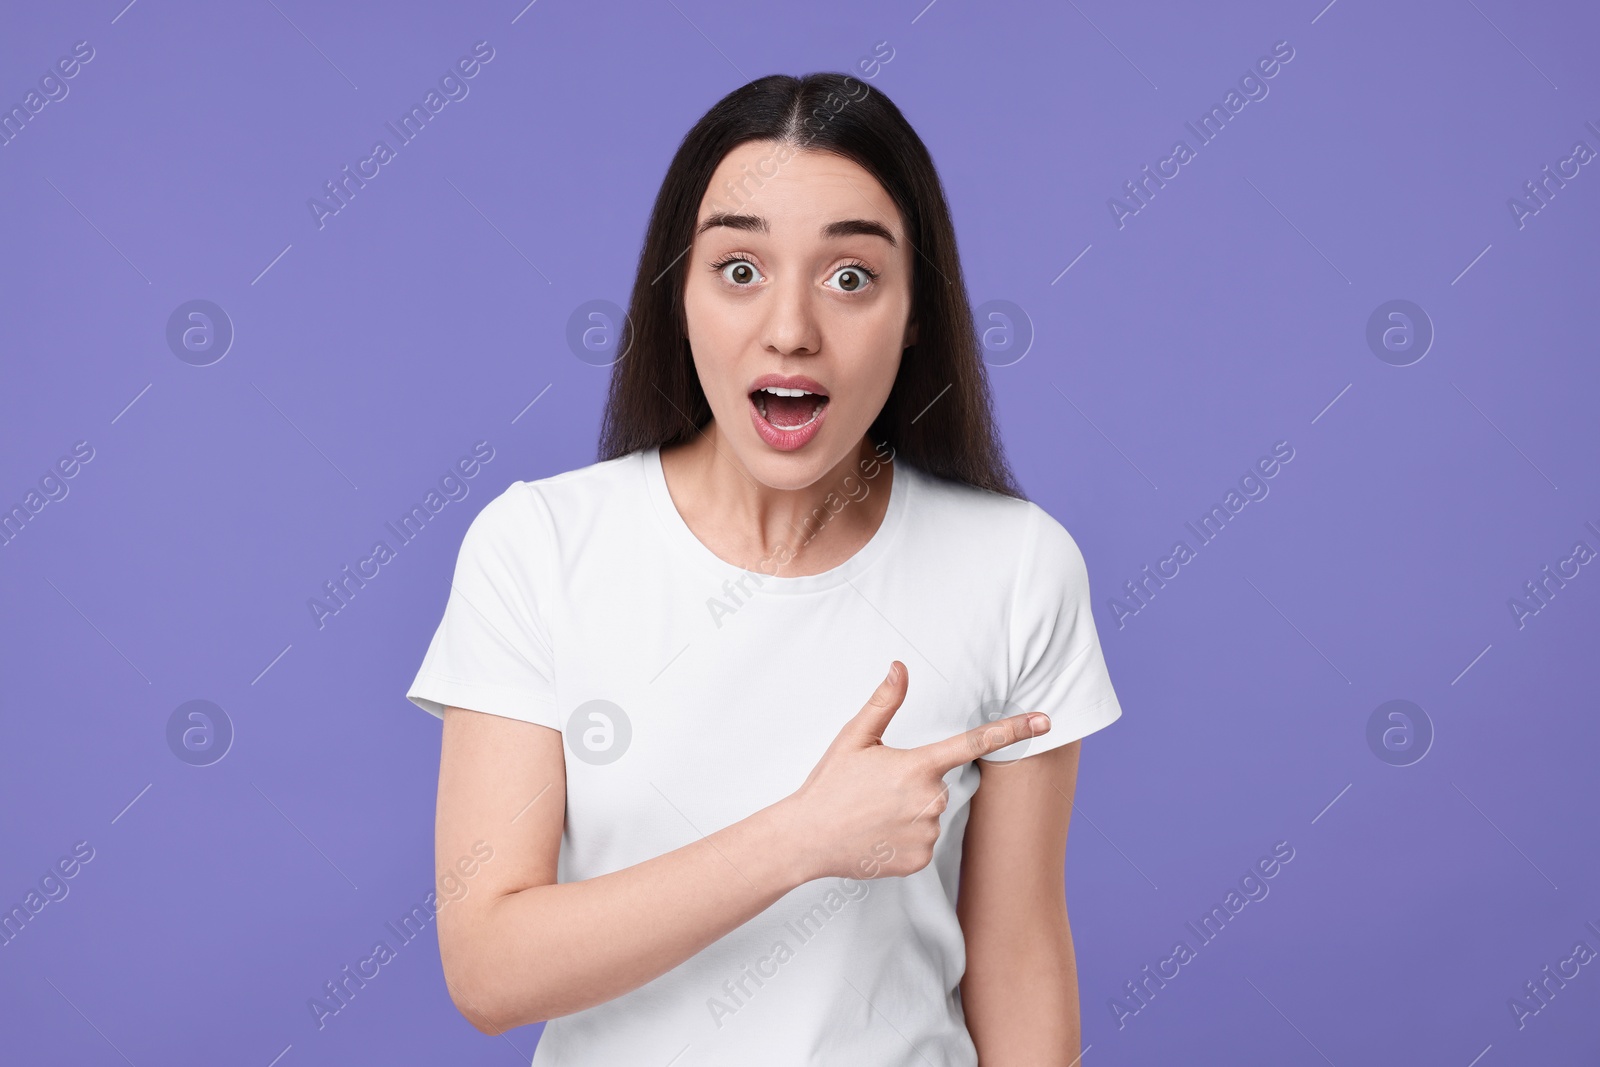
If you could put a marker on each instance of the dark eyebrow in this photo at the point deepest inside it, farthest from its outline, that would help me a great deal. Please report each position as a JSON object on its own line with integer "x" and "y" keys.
{"x": 854, "y": 227}
{"x": 757, "y": 224}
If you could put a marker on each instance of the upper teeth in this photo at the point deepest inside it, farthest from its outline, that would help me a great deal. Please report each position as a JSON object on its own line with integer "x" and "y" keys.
{"x": 778, "y": 390}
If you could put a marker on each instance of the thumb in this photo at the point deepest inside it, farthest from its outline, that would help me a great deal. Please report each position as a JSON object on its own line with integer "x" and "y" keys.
{"x": 873, "y": 718}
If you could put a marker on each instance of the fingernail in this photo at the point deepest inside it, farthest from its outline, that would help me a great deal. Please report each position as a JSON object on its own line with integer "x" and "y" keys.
{"x": 892, "y": 667}
{"x": 1039, "y": 722}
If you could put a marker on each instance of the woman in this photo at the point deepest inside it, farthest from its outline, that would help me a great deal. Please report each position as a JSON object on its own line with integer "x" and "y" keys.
{"x": 706, "y": 849}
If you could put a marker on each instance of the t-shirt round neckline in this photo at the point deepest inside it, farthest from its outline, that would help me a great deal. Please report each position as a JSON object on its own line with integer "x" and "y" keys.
{"x": 901, "y": 488}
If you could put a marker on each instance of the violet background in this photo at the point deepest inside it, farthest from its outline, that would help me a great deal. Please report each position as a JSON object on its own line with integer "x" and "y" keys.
{"x": 1227, "y": 315}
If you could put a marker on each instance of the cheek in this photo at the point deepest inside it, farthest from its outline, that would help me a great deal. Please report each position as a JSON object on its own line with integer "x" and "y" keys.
{"x": 713, "y": 342}
{"x": 884, "y": 380}
{"x": 880, "y": 352}
{"x": 868, "y": 389}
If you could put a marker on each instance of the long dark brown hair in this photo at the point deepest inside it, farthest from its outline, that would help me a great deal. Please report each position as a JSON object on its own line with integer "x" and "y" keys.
{"x": 938, "y": 415}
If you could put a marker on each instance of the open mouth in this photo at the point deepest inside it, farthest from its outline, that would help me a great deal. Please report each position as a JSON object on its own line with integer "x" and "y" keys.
{"x": 788, "y": 409}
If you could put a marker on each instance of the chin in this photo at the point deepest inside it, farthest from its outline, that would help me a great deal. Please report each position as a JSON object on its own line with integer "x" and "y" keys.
{"x": 790, "y": 470}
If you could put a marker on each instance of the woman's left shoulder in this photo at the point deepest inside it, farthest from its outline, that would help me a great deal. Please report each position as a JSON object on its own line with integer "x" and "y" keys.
{"x": 960, "y": 508}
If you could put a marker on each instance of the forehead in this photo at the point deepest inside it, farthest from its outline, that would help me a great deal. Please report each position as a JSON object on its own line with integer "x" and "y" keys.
{"x": 796, "y": 191}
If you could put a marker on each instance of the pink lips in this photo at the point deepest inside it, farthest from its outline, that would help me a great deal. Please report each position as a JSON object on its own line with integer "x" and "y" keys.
{"x": 779, "y": 438}
{"x": 786, "y": 440}
{"x": 787, "y": 381}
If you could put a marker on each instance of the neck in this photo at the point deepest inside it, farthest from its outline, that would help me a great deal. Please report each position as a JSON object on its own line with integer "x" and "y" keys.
{"x": 781, "y": 531}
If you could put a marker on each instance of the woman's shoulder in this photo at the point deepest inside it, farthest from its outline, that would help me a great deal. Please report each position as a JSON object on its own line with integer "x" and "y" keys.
{"x": 567, "y": 496}
{"x": 580, "y": 482}
{"x": 962, "y": 520}
{"x": 961, "y": 506}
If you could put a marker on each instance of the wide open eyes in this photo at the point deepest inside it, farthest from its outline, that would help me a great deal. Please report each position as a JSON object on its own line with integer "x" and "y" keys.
{"x": 740, "y": 273}
{"x": 854, "y": 277}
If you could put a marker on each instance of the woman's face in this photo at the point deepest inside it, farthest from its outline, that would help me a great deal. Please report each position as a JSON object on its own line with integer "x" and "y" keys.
{"x": 800, "y": 269}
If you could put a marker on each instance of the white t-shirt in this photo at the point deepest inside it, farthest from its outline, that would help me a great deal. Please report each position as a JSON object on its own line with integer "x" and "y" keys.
{"x": 693, "y": 693}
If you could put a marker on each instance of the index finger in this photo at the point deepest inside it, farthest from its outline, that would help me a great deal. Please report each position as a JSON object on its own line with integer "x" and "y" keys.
{"x": 990, "y": 737}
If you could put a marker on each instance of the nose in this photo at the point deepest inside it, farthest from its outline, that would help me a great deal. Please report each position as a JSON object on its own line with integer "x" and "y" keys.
{"x": 791, "y": 326}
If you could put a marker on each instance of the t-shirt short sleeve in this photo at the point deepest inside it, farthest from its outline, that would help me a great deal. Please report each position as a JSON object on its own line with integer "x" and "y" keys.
{"x": 1054, "y": 646}
{"x": 491, "y": 651}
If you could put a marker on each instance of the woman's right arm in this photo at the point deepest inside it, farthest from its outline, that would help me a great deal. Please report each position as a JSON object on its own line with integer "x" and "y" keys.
{"x": 518, "y": 947}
